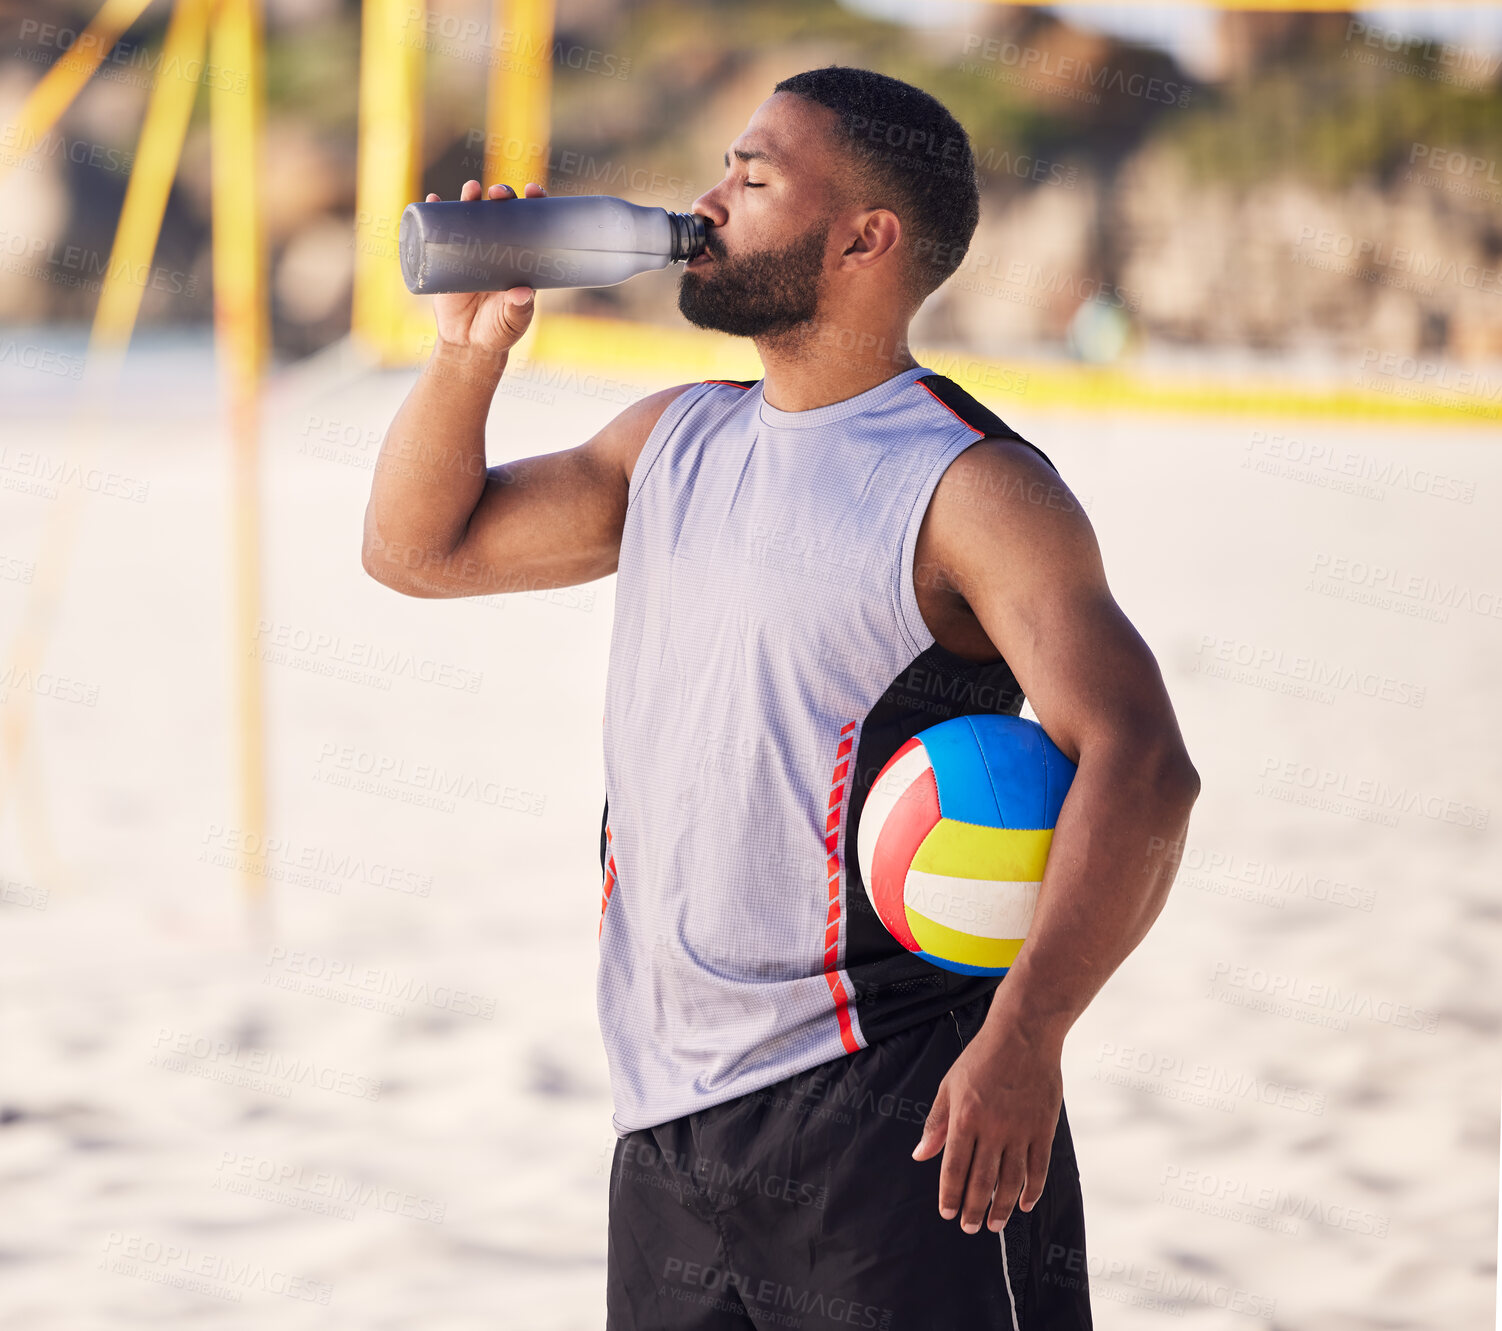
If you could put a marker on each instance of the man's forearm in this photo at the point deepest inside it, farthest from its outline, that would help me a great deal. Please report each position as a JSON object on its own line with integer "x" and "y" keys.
{"x": 1109, "y": 869}
{"x": 431, "y": 470}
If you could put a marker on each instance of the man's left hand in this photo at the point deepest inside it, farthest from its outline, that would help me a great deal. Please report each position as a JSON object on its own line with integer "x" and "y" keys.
{"x": 994, "y": 1117}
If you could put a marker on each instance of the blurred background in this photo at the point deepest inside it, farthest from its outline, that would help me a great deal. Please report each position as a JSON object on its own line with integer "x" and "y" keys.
{"x": 1218, "y": 178}
{"x": 299, "y": 879}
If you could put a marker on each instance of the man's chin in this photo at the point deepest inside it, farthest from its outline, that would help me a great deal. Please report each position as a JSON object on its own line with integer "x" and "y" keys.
{"x": 722, "y": 321}
{"x": 726, "y": 312}
{"x": 700, "y": 313}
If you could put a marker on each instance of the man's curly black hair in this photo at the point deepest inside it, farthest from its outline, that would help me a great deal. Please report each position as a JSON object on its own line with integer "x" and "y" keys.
{"x": 907, "y": 153}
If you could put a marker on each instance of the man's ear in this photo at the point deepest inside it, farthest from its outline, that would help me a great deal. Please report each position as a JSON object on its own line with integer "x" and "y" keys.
{"x": 879, "y": 230}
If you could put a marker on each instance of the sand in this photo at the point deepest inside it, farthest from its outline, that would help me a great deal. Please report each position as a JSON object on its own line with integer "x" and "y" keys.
{"x": 392, "y": 1110}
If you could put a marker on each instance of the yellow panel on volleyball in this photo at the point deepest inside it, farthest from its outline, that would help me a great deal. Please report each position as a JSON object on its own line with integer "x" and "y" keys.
{"x": 968, "y": 850}
{"x": 968, "y": 949}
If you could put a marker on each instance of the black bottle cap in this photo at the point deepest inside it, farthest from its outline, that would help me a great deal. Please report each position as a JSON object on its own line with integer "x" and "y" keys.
{"x": 689, "y": 232}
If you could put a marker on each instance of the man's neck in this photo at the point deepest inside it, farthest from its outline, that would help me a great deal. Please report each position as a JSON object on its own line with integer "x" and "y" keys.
{"x": 819, "y": 364}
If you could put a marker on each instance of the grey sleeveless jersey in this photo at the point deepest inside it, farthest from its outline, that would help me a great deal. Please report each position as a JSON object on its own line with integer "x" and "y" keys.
{"x": 767, "y": 658}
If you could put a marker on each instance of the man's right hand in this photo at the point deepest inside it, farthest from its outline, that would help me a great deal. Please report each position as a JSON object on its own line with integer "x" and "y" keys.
{"x": 440, "y": 522}
{"x": 485, "y": 322}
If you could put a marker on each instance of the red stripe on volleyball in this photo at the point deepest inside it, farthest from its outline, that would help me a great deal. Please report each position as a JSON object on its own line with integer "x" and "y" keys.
{"x": 913, "y": 817}
{"x": 891, "y": 762}
{"x": 832, "y": 920}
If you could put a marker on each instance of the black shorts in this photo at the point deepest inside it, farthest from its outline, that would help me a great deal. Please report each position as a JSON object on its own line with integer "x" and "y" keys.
{"x": 801, "y": 1206}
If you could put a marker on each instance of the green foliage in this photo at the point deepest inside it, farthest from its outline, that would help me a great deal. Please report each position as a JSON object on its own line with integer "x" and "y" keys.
{"x": 1330, "y": 124}
{"x": 313, "y": 73}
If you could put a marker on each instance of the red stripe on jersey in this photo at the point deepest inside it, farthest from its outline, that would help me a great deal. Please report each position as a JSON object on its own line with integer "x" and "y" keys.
{"x": 610, "y": 880}
{"x": 832, "y": 925}
{"x": 842, "y": 1011}
{"x": 948, "y": 408}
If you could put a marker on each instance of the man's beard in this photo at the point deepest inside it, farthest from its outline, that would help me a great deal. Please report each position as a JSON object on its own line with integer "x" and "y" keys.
{"x": 770, "y": 292}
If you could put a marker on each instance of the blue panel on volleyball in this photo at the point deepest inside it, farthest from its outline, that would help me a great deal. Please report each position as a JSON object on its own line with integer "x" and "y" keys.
{"x": 960, "y": 773}
{"x": 1015, "y": 752}
{"x": 986, "y": 768}
{"x": 959, "y": 966}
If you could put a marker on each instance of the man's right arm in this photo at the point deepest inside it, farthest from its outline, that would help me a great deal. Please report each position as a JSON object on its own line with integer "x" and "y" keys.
{"x": 442, "y": 523}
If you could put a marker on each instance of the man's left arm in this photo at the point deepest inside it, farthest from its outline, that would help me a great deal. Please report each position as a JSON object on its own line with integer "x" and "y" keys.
{"x": 1004, "y": 532}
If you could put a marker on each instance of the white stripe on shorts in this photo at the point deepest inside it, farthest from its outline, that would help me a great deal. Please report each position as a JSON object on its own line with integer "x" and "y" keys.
{"x": 1007, "y": 1279}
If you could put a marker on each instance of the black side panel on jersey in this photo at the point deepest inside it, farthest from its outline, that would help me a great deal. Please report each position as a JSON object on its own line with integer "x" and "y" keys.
{"x": 973, "y": 414}
{"x": 604, "y": 818}
{"x": 893, "y": 989}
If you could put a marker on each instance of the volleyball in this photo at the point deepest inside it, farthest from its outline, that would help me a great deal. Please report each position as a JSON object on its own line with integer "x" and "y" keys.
{"x": 954, "y": 835}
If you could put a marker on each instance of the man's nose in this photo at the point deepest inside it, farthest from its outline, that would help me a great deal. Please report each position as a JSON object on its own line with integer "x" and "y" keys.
{"x": 709, "y": 206}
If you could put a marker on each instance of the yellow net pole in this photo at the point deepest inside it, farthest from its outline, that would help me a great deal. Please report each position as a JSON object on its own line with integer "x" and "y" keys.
{"x": 157, "y": 155}
{"x": 241, "y": 335}
{"x": 388, "y": 170}
{"x": 519, "y": 105}
{"x": 129, "y": 270}
{"x": 520, "y": 95}
{"x": 67, "y": 74}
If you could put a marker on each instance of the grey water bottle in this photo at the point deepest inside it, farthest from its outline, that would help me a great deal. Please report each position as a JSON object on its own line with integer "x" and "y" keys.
{"x": 590, "y": 240}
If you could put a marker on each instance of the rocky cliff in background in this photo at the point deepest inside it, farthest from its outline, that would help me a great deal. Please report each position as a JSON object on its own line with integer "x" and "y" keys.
{"x": 1324, "y": 187}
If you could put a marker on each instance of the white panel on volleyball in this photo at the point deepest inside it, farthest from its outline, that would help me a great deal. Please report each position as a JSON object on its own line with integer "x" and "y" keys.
{"x": 889, "y": 788}
{"x": 981, "y": 907}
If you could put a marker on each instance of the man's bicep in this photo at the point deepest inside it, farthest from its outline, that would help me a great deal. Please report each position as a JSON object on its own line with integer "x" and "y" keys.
{"x": 1020, "y": 549}
{"x": 1086, "y": 670}
{"x": 555, "y": 519}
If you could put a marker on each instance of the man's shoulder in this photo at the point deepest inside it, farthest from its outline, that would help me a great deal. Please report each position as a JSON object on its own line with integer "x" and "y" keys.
{"x": 625, "y": 436}
{"x": 974, "y": 414}
{"x": 999, "y": 481}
